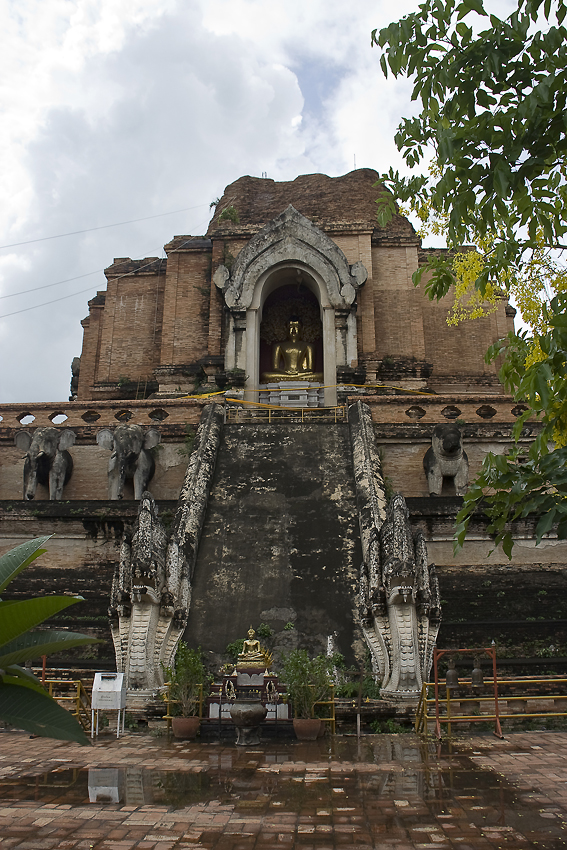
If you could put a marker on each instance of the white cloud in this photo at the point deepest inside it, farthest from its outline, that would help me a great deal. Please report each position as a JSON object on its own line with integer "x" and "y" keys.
{"x": 119, "y": 109}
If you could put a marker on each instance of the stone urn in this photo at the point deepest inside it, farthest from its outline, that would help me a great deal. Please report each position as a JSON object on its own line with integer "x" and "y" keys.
{"x": 247, "y": 714}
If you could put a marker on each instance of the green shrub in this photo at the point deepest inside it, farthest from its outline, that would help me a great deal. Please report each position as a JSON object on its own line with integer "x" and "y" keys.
{"x": 308, "y": 680}
{"x": 186, "y": 677}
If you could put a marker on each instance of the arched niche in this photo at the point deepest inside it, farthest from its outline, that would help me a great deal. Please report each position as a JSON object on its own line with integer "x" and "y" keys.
{"x": 287, "y": 246}
{"x": 267, "y": 285}
{"x": 294, "y": 295}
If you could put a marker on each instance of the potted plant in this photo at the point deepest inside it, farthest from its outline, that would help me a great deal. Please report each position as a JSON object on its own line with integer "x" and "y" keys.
{"x": 308, "y": 681}
{"x": 186, "y": 679}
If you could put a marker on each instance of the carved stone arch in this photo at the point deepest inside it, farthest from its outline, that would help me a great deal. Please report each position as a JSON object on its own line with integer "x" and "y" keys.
{"x": 271, "y": 279}
{"x": 290, "y": 238}
{"x": 291, "y": 241}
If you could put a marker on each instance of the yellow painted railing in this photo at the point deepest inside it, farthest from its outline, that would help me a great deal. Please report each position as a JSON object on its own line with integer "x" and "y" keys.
{"x": 253, "y": 411}
{"x": 474, "y": 707}
{"x": 330, "y": 720}
{"x": 72, "y": 690}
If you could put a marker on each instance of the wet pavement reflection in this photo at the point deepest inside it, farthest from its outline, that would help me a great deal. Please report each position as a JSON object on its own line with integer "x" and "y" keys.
{"x": 382, "y": 792}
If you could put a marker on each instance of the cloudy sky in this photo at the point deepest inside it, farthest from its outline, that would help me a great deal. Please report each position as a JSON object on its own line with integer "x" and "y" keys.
{"x": 114, "y": 110}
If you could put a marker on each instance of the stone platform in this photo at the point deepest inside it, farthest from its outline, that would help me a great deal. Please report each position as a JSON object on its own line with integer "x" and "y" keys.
{"x": 385, "y": 792}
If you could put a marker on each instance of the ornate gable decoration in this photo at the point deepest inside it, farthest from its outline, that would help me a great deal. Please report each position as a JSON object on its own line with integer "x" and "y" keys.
{"x": 290, "y": 238}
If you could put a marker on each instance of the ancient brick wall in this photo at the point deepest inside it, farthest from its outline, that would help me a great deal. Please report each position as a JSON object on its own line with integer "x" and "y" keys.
{"x": 520, "y": 604}
{"x": 397, "y": 304}
{"x": 458, "y": 351}
{"x": 92, "y": 332}
{"x": 186, "y": 306}
{"x": 131, "y": 325}
{"x": 349, "y": 198}
{"x": 80, "y": 559}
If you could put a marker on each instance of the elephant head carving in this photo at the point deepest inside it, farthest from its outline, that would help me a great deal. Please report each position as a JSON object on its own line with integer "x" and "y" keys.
{"x": 47, "y": 460}
{"x": 130, "y": 457}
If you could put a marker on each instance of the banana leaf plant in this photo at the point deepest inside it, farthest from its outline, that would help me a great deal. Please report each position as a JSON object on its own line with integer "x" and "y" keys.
{"x": 24, "y": 703}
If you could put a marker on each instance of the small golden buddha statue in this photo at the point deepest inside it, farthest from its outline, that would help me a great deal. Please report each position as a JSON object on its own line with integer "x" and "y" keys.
{"x": 293, "y": 359}
{"x": 252, "y": 654}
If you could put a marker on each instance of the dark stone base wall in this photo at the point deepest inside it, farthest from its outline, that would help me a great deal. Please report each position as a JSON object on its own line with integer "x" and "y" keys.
{"x": 80, "y": 560}
{"x": 520, "y": 604}
{"x": 281, "y": 544}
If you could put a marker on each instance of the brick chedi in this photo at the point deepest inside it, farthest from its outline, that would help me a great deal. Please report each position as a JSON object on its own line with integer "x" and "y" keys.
{"x": 164, "y": 325}
{"x": 270, "y": 516}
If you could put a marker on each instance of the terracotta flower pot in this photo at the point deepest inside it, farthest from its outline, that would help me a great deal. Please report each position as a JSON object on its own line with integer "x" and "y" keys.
{"x": 307, "y": 729}
{"x": 185, "y": 727}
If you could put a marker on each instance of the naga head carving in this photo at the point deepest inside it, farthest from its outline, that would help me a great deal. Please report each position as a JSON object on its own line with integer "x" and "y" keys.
{"x": 400, "y": 584}
{"x": 148, "y": 545}
{"x": 167, "y": 603}
{"x": 180, "y": 618}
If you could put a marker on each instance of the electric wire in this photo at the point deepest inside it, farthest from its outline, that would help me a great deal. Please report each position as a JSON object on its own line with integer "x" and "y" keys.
{"x": 102, "y": 227}
{"x": 88, "y": 274}
{"x": 49, "y": 285}
{"x": 82, "y": 291}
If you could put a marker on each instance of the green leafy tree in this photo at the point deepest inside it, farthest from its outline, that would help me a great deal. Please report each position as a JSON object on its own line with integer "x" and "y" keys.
{"x": 187, "y": 678}
{"x": 528, "y": 481}
{"x": 24, "y": 703}
{"x": 308, "y": 680}
{"x": 493, "y": 104}
{"x": 492, "y": 94}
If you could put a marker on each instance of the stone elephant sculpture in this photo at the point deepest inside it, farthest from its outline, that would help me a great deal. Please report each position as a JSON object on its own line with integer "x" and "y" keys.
{"x": 47, "y": 460}
{"x": 446, "y": 459}
{"x": 131, "y": 457}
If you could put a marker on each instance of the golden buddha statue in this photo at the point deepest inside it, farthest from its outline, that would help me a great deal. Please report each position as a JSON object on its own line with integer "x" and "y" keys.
{"x": 293, "y": 359}
{"x": 252, "y": 654}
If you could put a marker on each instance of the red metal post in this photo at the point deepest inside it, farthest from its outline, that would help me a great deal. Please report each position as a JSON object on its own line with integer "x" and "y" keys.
{"x": 497, "y": 727}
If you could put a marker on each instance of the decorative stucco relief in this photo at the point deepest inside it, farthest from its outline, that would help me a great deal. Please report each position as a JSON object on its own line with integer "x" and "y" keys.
{"x": 290, "y": 238}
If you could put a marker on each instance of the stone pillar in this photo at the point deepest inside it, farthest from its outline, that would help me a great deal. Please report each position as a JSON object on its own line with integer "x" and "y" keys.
{"x": 329, "y": 356}
{"x": 341, "y": 325}
{"x": 252, "y": 365}
{"x": 351, "y": 340}
{"x": 236, "y": 346}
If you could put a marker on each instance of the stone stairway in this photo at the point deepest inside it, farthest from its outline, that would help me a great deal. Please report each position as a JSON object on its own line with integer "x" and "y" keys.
{"x": 280, "y": 543}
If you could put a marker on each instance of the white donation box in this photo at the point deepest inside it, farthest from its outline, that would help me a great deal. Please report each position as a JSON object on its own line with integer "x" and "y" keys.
{"x": 104, "y": 785}
{"x": 108, "y": 694}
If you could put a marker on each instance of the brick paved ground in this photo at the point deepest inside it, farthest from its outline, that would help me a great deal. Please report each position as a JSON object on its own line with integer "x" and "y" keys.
{"x": 389, "y": 792}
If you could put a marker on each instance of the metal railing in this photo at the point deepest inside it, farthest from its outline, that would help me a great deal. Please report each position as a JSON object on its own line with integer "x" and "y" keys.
{"x": 484, "y": 703}
{"x": 65, "y": 691}
{"x": 253, "y": 412}
{"x": 332, "y": 719}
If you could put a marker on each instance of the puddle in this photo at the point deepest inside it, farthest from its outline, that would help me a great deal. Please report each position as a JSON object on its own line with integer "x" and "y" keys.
{"x": 382, "y": 787}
